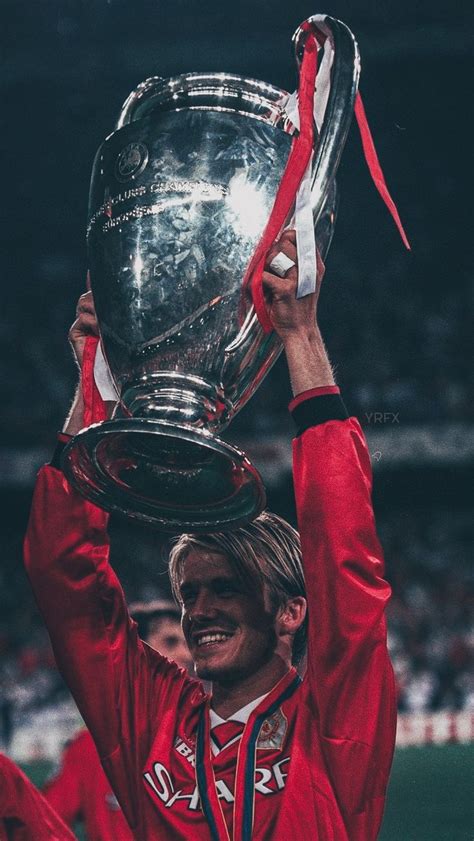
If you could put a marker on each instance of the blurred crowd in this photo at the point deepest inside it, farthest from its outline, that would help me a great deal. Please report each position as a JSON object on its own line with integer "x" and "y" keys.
{"x": 431, "y": 627}
{"x": 431, "y": 614}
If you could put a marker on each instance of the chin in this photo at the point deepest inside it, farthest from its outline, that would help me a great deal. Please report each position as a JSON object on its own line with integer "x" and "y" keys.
{"x": 203, "y": 672}
{"x": 206, "y": 671}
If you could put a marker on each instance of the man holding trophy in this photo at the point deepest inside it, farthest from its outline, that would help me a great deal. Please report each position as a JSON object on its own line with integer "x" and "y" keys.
{"x": 266, "y": 755}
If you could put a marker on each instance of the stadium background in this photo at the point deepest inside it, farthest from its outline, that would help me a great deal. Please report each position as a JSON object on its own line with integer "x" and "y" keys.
{"x": 398, "y": 328}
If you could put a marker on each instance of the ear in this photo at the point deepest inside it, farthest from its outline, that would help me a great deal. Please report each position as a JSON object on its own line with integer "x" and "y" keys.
{"x": 291, "y": 616}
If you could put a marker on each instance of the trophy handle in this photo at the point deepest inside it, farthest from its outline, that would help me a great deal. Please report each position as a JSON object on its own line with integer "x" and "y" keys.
{"x": 345, "y": 74}
{"x": 328, "y": 147}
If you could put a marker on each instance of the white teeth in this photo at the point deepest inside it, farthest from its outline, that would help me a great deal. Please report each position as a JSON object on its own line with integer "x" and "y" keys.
{"x": 212, "y": 638}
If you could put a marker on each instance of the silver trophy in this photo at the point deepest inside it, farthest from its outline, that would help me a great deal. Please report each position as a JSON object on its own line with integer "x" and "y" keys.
{"x": 180, "y": 194}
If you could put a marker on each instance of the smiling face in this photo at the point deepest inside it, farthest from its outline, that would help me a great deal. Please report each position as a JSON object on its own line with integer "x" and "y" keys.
{"x": 229, "y": 625}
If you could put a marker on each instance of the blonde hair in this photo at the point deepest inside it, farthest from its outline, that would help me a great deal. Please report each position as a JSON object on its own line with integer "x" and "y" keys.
{"x": 267, "y": 550}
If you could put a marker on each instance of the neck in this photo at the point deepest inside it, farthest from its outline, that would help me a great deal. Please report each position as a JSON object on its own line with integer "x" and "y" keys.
{"x": 228, "y": 697}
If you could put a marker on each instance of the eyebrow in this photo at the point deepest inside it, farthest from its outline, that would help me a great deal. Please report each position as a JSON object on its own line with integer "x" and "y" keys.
{"x": 220, "y": 579}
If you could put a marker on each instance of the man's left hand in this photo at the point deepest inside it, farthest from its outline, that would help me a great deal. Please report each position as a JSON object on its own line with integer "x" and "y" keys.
{"x": 289, "y": 315}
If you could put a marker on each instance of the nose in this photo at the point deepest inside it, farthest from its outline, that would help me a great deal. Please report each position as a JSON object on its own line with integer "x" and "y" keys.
{"x": 203, "y": 606}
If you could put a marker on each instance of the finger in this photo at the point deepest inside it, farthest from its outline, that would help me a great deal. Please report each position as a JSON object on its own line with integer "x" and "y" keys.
{"x": 289, "y": 235}
{"x": 286, "y": 243}
{"x": 280, "y": 287}
{"x": 286, "y": 248}
{"x": 85, "y": 299}
{"x": 321, "y": 267}
{"x": 86, "y": 324}
{"x": 85, "y": 304}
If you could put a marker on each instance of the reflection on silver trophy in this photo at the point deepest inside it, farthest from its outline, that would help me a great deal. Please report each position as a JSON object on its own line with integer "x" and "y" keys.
{"x": 180, "y": 195}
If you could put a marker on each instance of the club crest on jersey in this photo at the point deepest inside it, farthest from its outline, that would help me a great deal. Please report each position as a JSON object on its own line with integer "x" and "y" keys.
{"x": 273, "y": 731}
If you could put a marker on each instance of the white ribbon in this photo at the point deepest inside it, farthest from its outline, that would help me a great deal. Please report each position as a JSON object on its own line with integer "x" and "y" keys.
{"x": 103, "y": 378}
{"x": 302, "y": 220}
{"x": 305, "y": 240}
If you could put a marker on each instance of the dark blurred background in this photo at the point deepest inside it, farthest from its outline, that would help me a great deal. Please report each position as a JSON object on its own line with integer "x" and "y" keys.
{"x": 398, "y": 325}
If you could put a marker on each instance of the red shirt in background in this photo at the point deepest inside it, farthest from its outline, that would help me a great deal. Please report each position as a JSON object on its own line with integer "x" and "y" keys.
{"x": 80, "y": 791}
{"x": 25, "y": 815}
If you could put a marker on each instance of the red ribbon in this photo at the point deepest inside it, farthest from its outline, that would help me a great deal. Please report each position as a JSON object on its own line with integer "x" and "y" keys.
{"x": 296, "y": 164}
{"x": 295, "y": 168}
{"x": 375, "y": 168}
{"x": 94, "y": 407}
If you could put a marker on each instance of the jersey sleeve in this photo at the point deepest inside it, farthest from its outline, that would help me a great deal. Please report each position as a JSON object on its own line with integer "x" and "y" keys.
{"x": 24, "y": 812}
{"x": 63, "y": 789}
{"x": 349, "y": 676}
{"x": 119, "y": 683}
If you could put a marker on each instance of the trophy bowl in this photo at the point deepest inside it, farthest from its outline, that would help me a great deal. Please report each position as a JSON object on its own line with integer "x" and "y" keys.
{"x": 180, "y": 194}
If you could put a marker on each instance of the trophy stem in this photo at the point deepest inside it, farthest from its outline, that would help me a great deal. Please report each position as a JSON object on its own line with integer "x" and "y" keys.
{"x": 179, "y": 399}
{"x": 175, "y": 477}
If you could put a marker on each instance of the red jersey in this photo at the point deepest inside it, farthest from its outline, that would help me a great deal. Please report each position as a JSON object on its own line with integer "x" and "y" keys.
{"x": 315, "y": 755}
{"x": 25, "y": 815}
{"x": 80, "y": 791}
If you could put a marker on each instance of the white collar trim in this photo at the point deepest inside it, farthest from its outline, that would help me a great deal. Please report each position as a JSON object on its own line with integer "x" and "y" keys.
{"x": 241, "y": 715}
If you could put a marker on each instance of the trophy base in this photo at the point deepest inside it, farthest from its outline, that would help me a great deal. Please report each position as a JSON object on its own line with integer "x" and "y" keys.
{"x": 174, "y": 477}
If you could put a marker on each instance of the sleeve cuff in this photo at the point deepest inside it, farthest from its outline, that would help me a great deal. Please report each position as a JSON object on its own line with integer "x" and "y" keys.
{"x": 316, "y": 406}
{"x": 313, "y": 392}
{"x": 62, "y": 440}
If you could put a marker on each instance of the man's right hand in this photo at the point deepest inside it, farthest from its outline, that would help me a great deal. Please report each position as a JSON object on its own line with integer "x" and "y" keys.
{"x": 85, "y": 325}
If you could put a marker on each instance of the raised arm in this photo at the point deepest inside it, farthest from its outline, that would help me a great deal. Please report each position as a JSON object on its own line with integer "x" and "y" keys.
{"x": 295, "y": 321}
{"x": 349, "y": 676}
{"x": 116, "y": 680}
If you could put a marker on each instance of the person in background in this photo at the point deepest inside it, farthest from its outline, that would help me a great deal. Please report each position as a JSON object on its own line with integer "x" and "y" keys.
{"x": 80, "y": 791}
{"x": 25, "y": 814}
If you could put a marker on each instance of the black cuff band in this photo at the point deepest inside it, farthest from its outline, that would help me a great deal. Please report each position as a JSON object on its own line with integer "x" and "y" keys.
{"x": 318, "y": 410}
